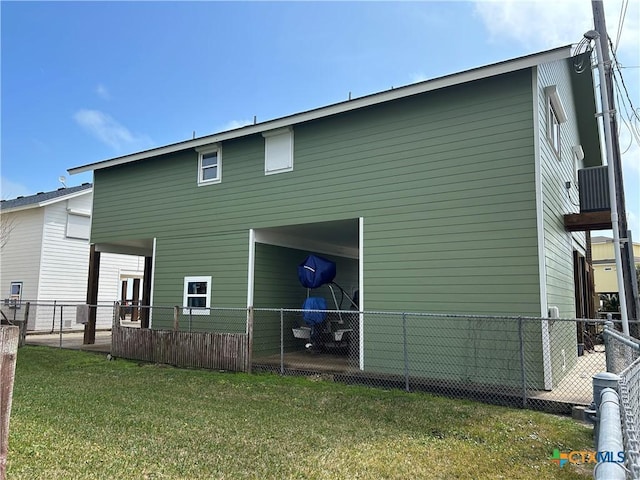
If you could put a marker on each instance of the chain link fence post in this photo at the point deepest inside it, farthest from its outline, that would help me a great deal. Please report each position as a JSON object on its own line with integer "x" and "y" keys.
{"x": 523, "y": 367}
{"x": 281, "y": 342}
{"x": 609, "y": 347}
{"x": 406, "y": 353}
{"x": 61, "y": 324}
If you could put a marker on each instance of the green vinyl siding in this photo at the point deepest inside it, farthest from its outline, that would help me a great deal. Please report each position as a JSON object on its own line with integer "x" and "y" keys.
{"x": 445, "y": 182}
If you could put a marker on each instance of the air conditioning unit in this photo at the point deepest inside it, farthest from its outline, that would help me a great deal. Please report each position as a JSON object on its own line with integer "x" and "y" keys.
{"x": 593, "y": 185}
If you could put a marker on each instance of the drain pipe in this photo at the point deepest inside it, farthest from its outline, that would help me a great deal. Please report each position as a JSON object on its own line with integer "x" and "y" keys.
{"x": 610, "y": 465}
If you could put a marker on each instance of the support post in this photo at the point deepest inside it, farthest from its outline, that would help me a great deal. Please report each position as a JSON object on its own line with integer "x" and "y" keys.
{"x": 249, "y": 339}
{"x": 146, "y": 295}
{"x": 135, "y": 301}
{"x": 8, "y": 355}
{"x": 92, "y": 296}
{"x": 176, "y": 318}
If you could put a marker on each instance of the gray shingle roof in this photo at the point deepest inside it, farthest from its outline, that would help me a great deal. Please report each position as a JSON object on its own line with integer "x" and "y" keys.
{"x": 41, "y": 197}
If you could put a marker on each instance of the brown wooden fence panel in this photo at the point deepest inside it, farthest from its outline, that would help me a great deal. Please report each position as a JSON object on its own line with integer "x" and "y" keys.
{"x": 9, "y": 337}
{"x": 215, "y": 351}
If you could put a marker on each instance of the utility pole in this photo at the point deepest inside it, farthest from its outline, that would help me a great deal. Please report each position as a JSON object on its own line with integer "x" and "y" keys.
{"x": 626, "y": 244}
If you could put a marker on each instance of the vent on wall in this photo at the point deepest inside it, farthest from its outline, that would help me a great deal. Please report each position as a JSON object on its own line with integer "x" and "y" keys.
{"x": 594, "y": 189}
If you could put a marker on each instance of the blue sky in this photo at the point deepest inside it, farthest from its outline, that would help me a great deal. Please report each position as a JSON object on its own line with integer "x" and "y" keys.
{"x": 88, "y": 81}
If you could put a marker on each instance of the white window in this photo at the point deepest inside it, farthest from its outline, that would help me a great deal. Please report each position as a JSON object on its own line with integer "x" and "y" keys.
{"x": 15, "y": 295}
{"x": 78, "y": 225}
{"x": 278, "y": 151}
{"x": 553, "y": 131}
{"x": 556, "y": 115}
{"x": 197, "y": 295}
{"x": 209, "y": 165}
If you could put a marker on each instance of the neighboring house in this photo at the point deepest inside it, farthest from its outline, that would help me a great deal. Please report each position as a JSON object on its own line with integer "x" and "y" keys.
{"x": 45, "y": 258}
{"x": 604, "y": 264}
{"x": 447, "y": 195}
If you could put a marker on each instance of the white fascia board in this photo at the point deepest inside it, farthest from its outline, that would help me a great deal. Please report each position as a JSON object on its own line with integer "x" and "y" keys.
{"x": 65, "y": 197}
{"x": 46, "y": 202}
{"x": 348, "y": 105}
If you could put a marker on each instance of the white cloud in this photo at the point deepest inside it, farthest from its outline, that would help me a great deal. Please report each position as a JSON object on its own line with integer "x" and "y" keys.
{"x": 109, "y": 131}
{"x": 10, "y": 189}
{"x": 102, "y": 92}
{"x": 540, "y": 24}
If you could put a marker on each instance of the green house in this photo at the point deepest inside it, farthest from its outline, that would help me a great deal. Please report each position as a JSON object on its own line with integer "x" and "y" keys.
{"x": 446, "y": 196}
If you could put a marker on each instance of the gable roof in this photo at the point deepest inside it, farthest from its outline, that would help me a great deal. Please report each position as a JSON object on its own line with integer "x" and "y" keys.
{"x": 478, "y": 73}
{"x": 42, "y": 199}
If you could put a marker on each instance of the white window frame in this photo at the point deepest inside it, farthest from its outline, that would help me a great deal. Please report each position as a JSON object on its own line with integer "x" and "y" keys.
{"x": 15, "y": 299}
{"x": 278, "y": 144}
{"x": 553, "y": 130}
{"x": 203, "y": 152}
{"x": 556, "y": 115}
{"x": 74, "y": 227}
{"x": 186, "y": 310}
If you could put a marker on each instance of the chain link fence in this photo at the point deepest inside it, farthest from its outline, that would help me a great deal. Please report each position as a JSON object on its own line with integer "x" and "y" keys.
{"x": 623, "y": 358}
{"x": 523, "y": 361}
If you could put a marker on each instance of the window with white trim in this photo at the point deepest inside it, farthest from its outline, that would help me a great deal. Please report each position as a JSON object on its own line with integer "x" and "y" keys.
{"x": 278, "y": 151}
{"x": 78, "y": 224}
{"x": 197, "y": 295}
{"x": 553, "y": 129}
{"x": 15, "y": 295}
{"x": 209, "y": 165}
{"x": 556, "y": 115}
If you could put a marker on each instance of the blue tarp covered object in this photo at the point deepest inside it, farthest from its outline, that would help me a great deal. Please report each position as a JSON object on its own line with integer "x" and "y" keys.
{"x": 314, "y": 303}
{"x": 316, "y": 271}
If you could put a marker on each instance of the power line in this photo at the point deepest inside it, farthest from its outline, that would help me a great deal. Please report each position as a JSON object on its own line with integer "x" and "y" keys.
{"x": 623, "y": 14}
{"x": 615, "y": 70}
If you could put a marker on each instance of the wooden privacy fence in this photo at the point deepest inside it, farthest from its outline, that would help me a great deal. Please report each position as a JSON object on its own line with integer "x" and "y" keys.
{"x": 215, "y": 351}
{"x": 8, "y": 354}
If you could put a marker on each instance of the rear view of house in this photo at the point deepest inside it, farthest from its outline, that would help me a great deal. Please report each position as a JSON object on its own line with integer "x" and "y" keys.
{"x": 447, "y": 196}
{"x": 45, "y": 258}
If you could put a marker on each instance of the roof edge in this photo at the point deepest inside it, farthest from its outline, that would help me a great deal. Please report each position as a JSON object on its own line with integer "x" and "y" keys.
{"x": 46, "y": 202}
{"x": 465, "y": 76}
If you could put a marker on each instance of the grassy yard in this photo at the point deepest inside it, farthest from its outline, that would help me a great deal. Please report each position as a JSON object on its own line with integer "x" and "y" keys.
{"x": 76, "y": 415}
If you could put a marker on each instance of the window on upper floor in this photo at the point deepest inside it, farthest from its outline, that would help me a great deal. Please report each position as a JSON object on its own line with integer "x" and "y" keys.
{"x": 78, "y": 224}
{"x": 278, "y": 151}
{"x": 197, "y": 295}
{"x": 554, "y": 129}
{"x": 209, "y": 165}
{"x": 556, "y": 115}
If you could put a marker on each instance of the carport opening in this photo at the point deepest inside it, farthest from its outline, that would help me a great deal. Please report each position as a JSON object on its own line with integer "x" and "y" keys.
{"x": 278, "y": 253}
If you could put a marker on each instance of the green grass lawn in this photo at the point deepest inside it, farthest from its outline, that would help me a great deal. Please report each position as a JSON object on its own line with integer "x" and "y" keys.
{"x": 76, "y": 415}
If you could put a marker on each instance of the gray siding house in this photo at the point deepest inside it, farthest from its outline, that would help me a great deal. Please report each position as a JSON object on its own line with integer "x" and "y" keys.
{"x": 445, "y": 196}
